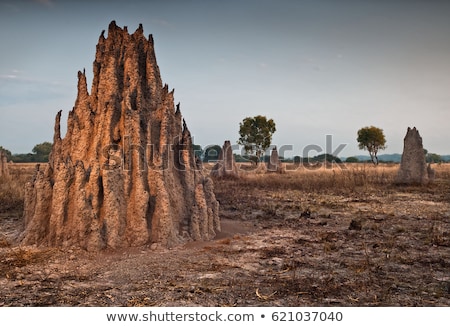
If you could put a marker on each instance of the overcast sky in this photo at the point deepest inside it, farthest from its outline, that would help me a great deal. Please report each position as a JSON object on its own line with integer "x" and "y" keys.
{"x": 317, "y": 67}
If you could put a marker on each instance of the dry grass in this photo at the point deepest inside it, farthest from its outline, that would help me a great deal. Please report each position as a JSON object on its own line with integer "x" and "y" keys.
{"x": 19, "y": 257}
{"x": 353, "y": 178}
{"x": 336, "y": 178}
{"x": 12, "y": 187}
{"x": 11, "y": 194}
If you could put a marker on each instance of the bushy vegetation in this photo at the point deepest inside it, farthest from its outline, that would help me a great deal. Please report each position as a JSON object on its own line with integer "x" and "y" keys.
{"x": 39, "y": 153}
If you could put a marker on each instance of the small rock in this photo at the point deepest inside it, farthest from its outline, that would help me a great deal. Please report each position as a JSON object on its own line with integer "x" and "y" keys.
{"x": 36, "y": 276}
{"x": 20, "y": 276}
{"x": 53, "y": 277}
{"x": 306, "y": 214}
{"x": 155, "y": 246}
{"x": 276, "y": 261}
{"x": 355, "y": 225}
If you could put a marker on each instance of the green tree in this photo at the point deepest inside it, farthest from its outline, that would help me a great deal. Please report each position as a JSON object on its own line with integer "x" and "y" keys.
{"x": 42, "y": 151}
{"x": 198, "y": 151}
{"x": 256, "y": 135}
{"x": 433, "y": 157}
{"x": 238, "y": 158}
{"x": 212, "y": 153}
{"x": 372, "y": 139}
{"x": 326, "y": 158}
{"x": 352, "y": 160}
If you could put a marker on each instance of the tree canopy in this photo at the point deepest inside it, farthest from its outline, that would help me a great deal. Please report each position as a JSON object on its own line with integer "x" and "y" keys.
{"x": 198, "y": 151}
{"x": 42, "y": 151}
{"x": 371, "y": 139}
{"x": 256, "y": 135}
{"x": 433, "y": 157}
{"x": 212, "y": 153}
{"x": 352, "y": 160}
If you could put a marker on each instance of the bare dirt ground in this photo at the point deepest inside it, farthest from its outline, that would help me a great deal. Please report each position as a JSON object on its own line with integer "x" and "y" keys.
{"x": 305, "y": 238}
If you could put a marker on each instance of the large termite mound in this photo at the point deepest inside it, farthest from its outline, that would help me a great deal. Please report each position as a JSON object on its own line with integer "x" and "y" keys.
{"x": 125, "y": 173}
{"x": 413, "y": 167}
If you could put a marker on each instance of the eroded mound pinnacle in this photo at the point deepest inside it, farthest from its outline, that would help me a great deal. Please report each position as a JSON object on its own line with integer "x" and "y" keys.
{"x": 413, "y": 167}
{"x": 125, "y": 174}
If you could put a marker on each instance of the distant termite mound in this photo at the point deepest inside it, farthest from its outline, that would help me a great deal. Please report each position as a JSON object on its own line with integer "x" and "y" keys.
{"x": 413, "y": 167}
{"x": 125, "y": 174}
{"x": 226, "y": 165}
{"x": 4, "y": 171}
{"x": 274, "y": 165}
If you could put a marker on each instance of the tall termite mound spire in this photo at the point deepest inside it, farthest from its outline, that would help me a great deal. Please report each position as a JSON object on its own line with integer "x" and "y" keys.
{"x": 413, "y": 167}
{"x": 4, "y": 171}
{"x": 225, "y": 166}
{"x": 274, "y": 164}
{"x": 125, "y": 174}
